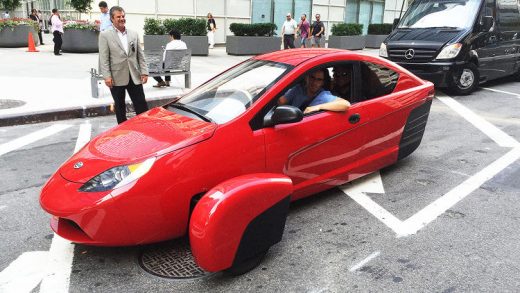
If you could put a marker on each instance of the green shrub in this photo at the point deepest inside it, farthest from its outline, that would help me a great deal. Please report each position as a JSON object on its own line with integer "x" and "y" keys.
{"x": 379, "y": 28}
{"x": 185, "y": 26}
{"x": 347, "y": 29}
{"x": 254, "y": 29}
{"x": 13, "y": 22}
{"x": 80, "y": 25}
{"x": 153, "y": 26}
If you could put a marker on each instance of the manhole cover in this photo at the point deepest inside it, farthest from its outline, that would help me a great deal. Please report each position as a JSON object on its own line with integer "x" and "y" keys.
{"x": 171, "y": 260}
{"x": 8, "y": 104}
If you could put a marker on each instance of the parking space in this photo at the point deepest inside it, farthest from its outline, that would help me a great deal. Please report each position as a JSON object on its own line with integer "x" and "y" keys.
{"x": 340, "y": 240}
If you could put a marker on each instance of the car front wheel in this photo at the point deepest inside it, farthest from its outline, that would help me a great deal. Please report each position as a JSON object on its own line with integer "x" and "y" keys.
{"x": 465, "y": 80}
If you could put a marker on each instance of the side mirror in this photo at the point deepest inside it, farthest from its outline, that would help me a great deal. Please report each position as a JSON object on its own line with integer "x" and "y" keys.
{"x": 487, "y": 23}
{"x": 282, "y": 115}
{"x": 395, "y": 23}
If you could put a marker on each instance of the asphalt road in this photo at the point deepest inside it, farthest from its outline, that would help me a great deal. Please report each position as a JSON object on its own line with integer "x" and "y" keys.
{"x": 333, "y": 242}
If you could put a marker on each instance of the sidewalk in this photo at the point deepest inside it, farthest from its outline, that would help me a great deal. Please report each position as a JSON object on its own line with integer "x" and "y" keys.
{"x": 39, "y": 87}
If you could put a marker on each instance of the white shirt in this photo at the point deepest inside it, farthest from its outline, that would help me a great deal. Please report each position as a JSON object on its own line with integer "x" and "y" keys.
{"x": 174, "y": 45}
{"x": 290, "y": 27}
{"x": 57, "y": 24}
{"x": 123, "y": 37}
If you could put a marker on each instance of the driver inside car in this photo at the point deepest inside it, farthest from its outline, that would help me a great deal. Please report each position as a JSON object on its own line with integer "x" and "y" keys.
{"x": 313, "y": 95}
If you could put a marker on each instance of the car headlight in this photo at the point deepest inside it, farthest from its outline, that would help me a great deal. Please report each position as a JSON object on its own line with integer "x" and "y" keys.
{"x": 450, "y": 51}
{"x": 382, "y": 50}
{"x": 118, "y": 176}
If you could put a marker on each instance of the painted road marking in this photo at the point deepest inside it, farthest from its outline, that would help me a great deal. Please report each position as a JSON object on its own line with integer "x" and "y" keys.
{"x": 357, "y": 189}
{"x": 2, "y": 207}
{"x": 502, "y": 92}
{"x": 31, "y": 137}
{"x": 24, "y": 273}
{"x": 61, "y": 253}
{"x": 364, "y": 262}
{"x": 500, "y": 137}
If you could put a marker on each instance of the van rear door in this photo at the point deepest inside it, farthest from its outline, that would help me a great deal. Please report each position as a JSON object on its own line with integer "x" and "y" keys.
{"x": 509, "y": 24}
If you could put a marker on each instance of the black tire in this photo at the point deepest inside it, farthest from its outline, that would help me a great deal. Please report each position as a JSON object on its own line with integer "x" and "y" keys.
{"x": 246, "y": 266}
{"x": 465, "y": 80}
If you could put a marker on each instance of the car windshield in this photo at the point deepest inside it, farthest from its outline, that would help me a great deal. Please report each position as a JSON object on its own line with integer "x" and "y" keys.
{"x": 229, "y": 94}
{"x": 456, "y": 14}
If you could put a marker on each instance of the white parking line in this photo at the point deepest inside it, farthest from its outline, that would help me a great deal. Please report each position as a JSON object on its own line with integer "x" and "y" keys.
{"x": 357, "y": 189}
{"x": 364, "y": 262}
{"x": 24, "y": 273}
{"x": 61, "y": 253}
{"x": 500, "y": 137}
{"x": 2, "y": 207}
{"x": 31, "y": 137}
{"x": 502, "y": 92}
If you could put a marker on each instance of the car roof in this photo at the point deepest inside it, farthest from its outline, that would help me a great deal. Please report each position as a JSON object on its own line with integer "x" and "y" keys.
{"x": 296, "y": 56}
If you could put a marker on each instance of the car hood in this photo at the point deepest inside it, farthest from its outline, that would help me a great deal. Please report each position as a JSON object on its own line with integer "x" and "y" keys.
{"x": 153, "y": 133}
{"x": 424, "y": 37}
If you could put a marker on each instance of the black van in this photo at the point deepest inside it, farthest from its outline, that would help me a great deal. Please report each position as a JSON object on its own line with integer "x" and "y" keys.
{"x": 457, "y": 43}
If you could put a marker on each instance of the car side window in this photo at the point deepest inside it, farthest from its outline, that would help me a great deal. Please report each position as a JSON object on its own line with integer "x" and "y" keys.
{"x": 377, "y": 80}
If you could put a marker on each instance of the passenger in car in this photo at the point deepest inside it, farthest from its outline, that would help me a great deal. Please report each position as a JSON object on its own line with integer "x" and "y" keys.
{"x": 313, "y": 95}
{"x": 341, "y": 86}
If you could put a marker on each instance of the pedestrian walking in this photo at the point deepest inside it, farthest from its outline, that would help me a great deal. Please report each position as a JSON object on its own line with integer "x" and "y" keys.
{"x": 288, "y": 30}
{"x": 57, "y": 31}
{"x": 317, "y": 30}
{"x": 212, "y": 27}
{"x": 304, "y": 30}
{"x": 122, "y": 64}
{"x": 174, "y": 44}
{"x": 105, "y": 22}
{"x": 34, "y": 16}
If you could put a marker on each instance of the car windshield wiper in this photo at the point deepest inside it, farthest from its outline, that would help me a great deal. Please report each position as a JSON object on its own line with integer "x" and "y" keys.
{"x": 190, "y": 110}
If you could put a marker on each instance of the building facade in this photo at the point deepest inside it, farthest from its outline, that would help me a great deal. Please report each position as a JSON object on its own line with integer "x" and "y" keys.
{"x": 226, "y": 12}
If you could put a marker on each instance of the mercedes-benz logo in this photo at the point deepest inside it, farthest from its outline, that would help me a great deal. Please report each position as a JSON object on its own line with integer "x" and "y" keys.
{"x": 78, "y": 165}
{"x": 409, "y": 54}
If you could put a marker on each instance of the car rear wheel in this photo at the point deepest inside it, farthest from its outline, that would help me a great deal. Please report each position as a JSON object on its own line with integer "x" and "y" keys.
{"x": 465, "y": 80}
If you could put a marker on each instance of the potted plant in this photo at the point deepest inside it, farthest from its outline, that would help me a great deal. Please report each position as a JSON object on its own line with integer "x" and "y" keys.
{"x": 347, "y": 36}
{"x": 80, "y": 37}
{"x": 377, "y": 33}
{"x": 193, "y": 33}
{"x": 14, "y": 32}
{"x": 252, "y": 39}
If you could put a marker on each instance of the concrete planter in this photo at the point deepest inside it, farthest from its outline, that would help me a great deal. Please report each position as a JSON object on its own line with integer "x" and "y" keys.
{"x": 197, "y": 44}
{"x": 347, "y": 42}
{"x": 374, "y": 41}
{"x": 252, "y": 45}
{"x": 80, "y": 41}
{"x": 16, "y": 37}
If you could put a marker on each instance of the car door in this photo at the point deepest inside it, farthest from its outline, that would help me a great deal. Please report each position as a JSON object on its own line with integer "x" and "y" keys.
{"x": 319, "y": 152}
{"x": 487, "y": 45}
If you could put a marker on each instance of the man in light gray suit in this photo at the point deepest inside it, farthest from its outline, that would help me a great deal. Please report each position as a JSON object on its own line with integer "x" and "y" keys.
{"x": 122, "y": 64}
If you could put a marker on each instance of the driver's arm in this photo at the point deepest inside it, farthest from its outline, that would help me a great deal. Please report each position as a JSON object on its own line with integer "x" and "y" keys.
{"x": 338, "y": 105}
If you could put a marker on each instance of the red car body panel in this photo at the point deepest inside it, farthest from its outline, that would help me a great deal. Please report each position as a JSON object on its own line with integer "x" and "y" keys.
{"x": 193, "y": 156}
{"x": 223, "y": 214}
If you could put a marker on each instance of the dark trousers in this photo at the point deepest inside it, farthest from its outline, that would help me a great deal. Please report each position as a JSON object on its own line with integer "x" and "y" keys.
{"x": 159, "y": 79}
{"x": 288, "y": 41}
{"x": 136, "y": 93}
{"x": 40, "y": 37}
{"x": 57, "y": 42}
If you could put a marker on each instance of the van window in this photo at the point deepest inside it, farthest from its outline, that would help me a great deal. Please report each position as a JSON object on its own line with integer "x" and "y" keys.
{"x": 508, "y": 15}
{"x": 377, "y": 80}
{"x": 441, "y": 13}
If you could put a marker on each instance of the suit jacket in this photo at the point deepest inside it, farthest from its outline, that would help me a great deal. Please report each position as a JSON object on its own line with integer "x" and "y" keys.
{"x": 114, "y": 62}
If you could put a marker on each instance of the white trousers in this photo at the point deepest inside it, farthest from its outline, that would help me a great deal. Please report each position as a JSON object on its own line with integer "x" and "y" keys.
{"x": 211, "y": 38}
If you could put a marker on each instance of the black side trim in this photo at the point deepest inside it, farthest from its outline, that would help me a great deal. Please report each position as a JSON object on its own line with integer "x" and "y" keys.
{"x": 414, "y": 130}
{"x": 263, "y": 232}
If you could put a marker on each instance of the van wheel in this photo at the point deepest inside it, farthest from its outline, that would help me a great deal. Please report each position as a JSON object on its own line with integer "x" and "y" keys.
{"x": 466, "y": 79}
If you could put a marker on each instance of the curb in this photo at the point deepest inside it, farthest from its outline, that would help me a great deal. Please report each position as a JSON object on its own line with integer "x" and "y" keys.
{"x": 73, "y": 113}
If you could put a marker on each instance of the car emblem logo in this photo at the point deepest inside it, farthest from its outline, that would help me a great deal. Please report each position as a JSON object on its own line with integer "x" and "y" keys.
{"x": 78, "y": 165}
{"x": 409, "y": 54}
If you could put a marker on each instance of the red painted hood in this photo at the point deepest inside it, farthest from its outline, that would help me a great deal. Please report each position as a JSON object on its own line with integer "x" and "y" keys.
{"x": 155, "y": 132}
